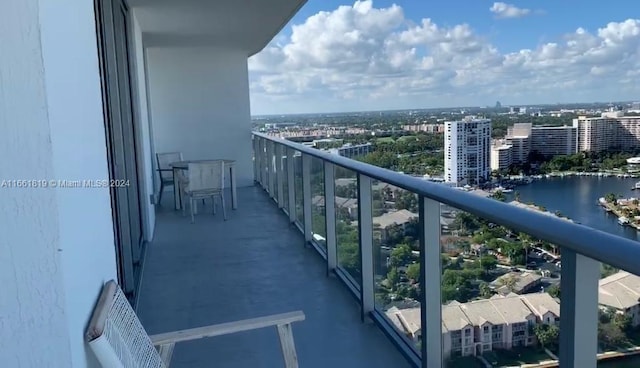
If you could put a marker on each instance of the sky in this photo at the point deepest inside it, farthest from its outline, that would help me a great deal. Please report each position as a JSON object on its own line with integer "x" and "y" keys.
{"x": 341, "y": 56}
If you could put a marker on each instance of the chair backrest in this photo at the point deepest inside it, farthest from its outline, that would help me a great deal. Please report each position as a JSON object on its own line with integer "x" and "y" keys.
{"x": 164, "y": 163}
{"x": 116, "y": 335}
{"x": 204, "y": 176}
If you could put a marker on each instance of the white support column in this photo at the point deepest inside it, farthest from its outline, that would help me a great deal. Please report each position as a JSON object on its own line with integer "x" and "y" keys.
{"x": 330, "y": 216}
{"x": 365, "y": 229}
{"x": 579, "y": 311}
{"x": 430, "y": 278}
{"x": 280, "y": 171}
{"x": 291, "y": 182}
{"x": 306, "y": 198}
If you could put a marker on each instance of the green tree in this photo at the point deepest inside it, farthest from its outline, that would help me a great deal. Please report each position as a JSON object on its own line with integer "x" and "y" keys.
{"x": 547, "y": 335}
{"x": 400, "y": 255}
{"x": 485, "y": 290}
{"x": 499, "y": 195}
{"x": 509, "y": 282}
{"x": 413, "y": 272}
{"x": 393, "y": 278}
{"x": 611, "y": 198}
{"x": 488, "y": 262}
{"x": 554, "y": 291}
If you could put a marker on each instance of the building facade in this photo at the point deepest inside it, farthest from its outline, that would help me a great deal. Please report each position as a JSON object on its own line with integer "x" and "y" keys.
{"x": 467, "y": 145}
{"x": 551, "y": 141}
{"x": 612, "y": 130}
{"x": 352, "y": 151}
{"x": 518, "y": 136}
{"x": 501, "y": 157}
{"x": 501, "y": 322}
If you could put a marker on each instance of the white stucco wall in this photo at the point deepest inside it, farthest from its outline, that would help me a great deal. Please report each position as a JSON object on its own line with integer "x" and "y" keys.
{"x": 145, "y": 159}
{"x": 56, "y": 245}
{"x": 200, "y": 105}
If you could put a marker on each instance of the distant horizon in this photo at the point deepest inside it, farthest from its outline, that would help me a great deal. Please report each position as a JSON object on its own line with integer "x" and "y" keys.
{"x": 449, "y": 108}
{"x": 351, "y": 55}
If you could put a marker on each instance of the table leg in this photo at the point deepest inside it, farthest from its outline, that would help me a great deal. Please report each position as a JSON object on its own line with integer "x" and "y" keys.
{"x": 234, "y": 195}
{"x": 176, "y": 190}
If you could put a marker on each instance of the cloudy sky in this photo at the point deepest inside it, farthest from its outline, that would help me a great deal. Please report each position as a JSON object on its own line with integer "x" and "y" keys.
{"x": 337, "y": 56}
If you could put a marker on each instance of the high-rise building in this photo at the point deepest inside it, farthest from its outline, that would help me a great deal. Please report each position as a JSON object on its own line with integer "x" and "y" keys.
{"x": 501, "y": 157}
{"x": 612, "y": 130}
{"x": 544, "y": 140}
{"x": 551, "y": 141}
{"x": 467, "y": 146}
{"x": 519, "y": 137}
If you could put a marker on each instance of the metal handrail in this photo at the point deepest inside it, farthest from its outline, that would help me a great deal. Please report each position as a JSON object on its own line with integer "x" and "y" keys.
{"x": 611, "y": 249}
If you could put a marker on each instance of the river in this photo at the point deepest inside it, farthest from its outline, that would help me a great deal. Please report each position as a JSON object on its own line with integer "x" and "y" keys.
{"x": 576, "y": 197}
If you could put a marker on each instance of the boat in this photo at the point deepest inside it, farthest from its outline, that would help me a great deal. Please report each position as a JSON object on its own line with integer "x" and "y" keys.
{"x": 636, "y": 186}
{"x": 623, "y": 220}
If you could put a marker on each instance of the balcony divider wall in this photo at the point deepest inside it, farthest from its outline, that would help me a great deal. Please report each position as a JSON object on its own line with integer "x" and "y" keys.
{"x": 581, "y": 246}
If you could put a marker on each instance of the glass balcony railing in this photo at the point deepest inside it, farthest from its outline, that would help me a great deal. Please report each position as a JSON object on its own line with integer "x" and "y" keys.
{"x": 455, "y": 279}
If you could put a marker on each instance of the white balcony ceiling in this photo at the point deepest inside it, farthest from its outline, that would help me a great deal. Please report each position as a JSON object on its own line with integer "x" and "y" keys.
{"x": 241, "y": 24}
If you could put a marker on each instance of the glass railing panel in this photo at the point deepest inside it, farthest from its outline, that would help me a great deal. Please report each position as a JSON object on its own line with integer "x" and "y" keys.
{"x": 347, "y": 238}
{"x": 318, "y": 226}
{"x": 618, "y": 318}
{"x": 299, "y": 199}
{"x": 396, "y": 257}
{"x": 499, "y": 293}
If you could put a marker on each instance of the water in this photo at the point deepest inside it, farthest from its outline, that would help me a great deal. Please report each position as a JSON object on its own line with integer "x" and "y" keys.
{"x": 576, "y": 197}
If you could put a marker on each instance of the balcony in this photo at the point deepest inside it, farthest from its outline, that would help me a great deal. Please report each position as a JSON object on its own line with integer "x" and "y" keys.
{"x": 254, "y": 264}
{"x": 334, "y": 202}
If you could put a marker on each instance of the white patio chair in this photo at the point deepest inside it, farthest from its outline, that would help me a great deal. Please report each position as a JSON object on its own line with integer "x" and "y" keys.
{"x": 204, "y": 180}
{"x": 165, "y": 171}
{"x": 118, "y": 339}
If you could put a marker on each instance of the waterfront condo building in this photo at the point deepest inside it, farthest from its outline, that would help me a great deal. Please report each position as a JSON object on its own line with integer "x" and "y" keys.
{"x": 519, "y": 137}
{"x": 550, "y": 141}
{"x": 611, "y": 131}
{"x": 501, "y": 156}
{"x": 501, "y": 322}
{"x": 467, "y": 145}
{"x": 547, "y": 141}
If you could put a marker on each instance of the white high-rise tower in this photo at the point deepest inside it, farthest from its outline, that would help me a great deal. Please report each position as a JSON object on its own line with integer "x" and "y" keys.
{"x": 467, "y": 146}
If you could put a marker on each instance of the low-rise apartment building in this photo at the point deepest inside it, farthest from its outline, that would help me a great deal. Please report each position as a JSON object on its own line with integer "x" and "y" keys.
{"x": 501, "y": 322}
{"x": 383, "y": 223}
{"x": 353, "y": 150}
{"x": 516, "y": 282}
{"x": 621, "y": 292}
{"x": 427, "y": 128}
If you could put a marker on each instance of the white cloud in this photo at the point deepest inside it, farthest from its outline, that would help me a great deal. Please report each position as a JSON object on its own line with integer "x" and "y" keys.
{"x": 365, "y": 58}
{"x": 504, "y": 10}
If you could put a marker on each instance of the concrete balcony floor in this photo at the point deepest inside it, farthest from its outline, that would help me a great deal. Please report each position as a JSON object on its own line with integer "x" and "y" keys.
{"x": 252, "y": 265}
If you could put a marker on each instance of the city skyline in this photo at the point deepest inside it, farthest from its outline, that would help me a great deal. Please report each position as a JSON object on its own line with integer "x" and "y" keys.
{"x": 338, "y": 56}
